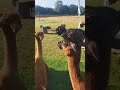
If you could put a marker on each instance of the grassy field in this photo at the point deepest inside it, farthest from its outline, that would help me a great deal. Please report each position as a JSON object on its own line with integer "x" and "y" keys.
{"x": 54, "y": 22}
{"x": 58, "y": 78}
{"x": 56, "y": 60}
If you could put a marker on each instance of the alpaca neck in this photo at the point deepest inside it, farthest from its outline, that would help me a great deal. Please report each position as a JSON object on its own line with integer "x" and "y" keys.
{"x": 40, "y": 69}
{"x": 39, "y": 49}
{"x": 10, "y": 62}
{"x": 74, "y": 71}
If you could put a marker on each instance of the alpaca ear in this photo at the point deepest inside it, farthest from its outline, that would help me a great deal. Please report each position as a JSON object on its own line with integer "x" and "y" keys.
{"x": 0, "y": 24}
{"x": 94, "y": 50}
{"x": 3, "y": 22}
{"x": 82, "y": 43}
{"x": 14, "y": 27}
{"x": 73, "y": 46}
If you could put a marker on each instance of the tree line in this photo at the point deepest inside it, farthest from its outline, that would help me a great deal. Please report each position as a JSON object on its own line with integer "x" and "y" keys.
{"x": 59, "y": 9}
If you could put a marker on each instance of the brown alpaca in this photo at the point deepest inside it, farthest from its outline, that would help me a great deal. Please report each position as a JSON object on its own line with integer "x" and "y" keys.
{"x": 41, "y": 68}
{"x": 9, "y": 76}
{"x": 73, "y": 64}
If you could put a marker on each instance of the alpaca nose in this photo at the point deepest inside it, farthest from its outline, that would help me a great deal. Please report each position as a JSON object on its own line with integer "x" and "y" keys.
{"x": 20, "y": 26}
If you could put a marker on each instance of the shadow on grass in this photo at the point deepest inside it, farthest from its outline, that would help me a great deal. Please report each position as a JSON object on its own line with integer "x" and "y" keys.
{"x": 112, "y": 87}
{"x": 52, "y": 33}
{"x": 59, "y": 80}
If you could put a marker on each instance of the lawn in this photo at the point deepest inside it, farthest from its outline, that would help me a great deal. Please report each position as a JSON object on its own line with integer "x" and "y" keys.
{"x": 58, "y": 78}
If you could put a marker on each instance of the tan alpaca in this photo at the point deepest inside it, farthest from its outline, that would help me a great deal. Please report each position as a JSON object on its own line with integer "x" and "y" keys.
{"x": 9, "y": 76}
{"x": 41, "y": 68}
{"x": 73, "y": 64}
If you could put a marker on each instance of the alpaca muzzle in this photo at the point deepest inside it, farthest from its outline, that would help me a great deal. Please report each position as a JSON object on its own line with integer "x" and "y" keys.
{"x": 60, "y": 44}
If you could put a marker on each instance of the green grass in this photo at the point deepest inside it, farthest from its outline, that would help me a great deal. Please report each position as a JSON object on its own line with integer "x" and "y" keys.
{"x": 58, "y": 78}
{"x": 114, "y": 82}
{"x": 54, "y": 22}
{"x": 25, "y": 47}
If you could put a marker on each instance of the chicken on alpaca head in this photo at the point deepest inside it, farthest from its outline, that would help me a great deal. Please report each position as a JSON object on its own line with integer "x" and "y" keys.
{"x": 72, "y": 41}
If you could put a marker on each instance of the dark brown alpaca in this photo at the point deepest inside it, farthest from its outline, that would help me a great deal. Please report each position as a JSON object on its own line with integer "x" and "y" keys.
{"x": 41, "y": 68}
{"x": 9, "y": 76}
{"x": 73, "y": 51}
{"x": 102, "y": 24}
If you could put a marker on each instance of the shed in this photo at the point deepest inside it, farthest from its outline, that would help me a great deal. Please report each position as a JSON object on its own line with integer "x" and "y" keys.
{"x": 25, "y": 7}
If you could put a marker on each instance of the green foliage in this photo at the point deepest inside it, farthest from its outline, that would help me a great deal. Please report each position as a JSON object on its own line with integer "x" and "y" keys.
{"x": 59, "y": 9}
{"x": 58, "y": 6}
{"x": 82, "y": 10}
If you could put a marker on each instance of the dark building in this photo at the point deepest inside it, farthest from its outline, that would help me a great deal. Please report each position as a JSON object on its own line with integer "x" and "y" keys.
{"x": 25, "y": 7}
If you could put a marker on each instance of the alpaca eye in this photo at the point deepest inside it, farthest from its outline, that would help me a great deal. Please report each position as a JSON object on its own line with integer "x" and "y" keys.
{"x": 65, "y": 44}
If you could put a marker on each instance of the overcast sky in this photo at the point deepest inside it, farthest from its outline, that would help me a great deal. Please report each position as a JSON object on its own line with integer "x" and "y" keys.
{"x": 51, "y": 3}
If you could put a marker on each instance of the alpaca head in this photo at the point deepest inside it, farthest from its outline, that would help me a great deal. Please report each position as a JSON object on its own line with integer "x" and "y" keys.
{"x": 72, "y": 42}
{"x": 39, "y": 36}
{"x": 10, "y": 22}
{"x": 60, "y": 29}
{"x": 81, "y": 24}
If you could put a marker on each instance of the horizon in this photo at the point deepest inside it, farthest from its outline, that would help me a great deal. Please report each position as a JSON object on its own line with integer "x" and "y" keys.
{"x": 51, "y": 3}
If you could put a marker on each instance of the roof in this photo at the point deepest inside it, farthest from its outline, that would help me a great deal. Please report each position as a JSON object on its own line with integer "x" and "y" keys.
{"x": 26, "y": 0}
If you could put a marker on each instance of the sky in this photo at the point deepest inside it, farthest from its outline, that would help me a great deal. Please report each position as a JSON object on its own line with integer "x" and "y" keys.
{"x": 51, "y": 3}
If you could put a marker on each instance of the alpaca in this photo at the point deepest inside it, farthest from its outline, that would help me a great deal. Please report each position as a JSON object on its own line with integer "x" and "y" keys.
{"x": 41, "y": 69}
{"x": 61, "y": 29}
{"x": 99, "y": 33}
{"x": 71, "y": 46}
{"x": 48, "y": 27}
{"x": 81, "y": 25}
{"x": 9, "y": 75}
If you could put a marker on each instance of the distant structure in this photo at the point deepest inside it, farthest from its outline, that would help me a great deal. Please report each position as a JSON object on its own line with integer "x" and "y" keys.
{"x": 109, "y": 2}
{"x": 79, "y": 8}
{"x": 25, "y": 7}
{"x": 106, "y": 3}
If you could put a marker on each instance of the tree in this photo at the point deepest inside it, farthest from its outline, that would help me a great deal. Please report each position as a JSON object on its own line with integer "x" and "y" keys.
{"x": 65, "y": 9}
{"x": 43, "y": 11}
{"x": 82, "y": 10}
{"x": 58, "y": 6}
{"x": 73, "y": 9}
